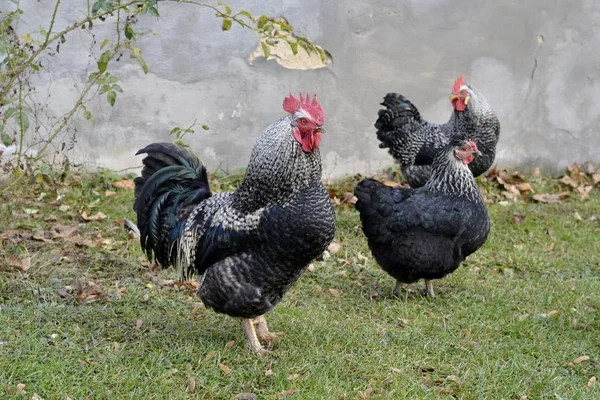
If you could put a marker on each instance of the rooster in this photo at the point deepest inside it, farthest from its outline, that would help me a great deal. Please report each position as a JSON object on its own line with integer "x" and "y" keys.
{"x": 426, "y": 232}
{"x": 414, "y": 142}
{"x": 247, "y": 247}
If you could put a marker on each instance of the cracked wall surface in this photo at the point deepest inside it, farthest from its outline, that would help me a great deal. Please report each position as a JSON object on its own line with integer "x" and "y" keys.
{"x": 537, "y": 62}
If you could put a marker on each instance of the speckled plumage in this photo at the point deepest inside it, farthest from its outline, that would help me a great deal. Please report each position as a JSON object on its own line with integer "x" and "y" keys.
{"x": 414, "y": 142}
{"x": 425, "y": 233}
{"x": 249, "y": 246}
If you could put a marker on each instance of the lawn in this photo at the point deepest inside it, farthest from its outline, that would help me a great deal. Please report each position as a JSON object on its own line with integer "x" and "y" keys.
{"x": 84, "y": 315}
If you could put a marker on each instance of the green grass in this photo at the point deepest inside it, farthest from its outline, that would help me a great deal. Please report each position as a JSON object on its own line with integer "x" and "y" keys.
{"x": 503, "y": 326}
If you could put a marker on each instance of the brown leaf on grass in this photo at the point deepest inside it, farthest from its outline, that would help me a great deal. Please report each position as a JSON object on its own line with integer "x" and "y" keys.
{"x": 209, "y": 355}
{"x": 229, "y": 344}
{"x": 292, "y": 377}
{"x": 591, "y": 382}
{"x": 550, "y": 248}
{"x": 189, "y": 285}
{"x": 596, "y": 178}
{"x": 334, "y": 292}
{"x": 524, "y": 187}
{"x": 350, "y": 198}
{"x": 92, "y": 292}
{"x": 580, "y": 359}
{"x": 245, "y": 396}
{"x": 536, "y": 173}
{"x": 584, "y": 191}
{"x": 126, "y": 184}
{"x": 574, "y": 168}
{"x": 51, "y": 218}
{"x": 567, "y": 180}
{"x": 550, "y": 198}
{"x": 226, "y": 370}
{"x": 40, "y": 236}
{"x": 269, "y": 372}
{"x": 64, "y": 231}
{"x": 191, "y": 385}
{"x": 518, "y": 218}
{"x": 96, "y": 217}
{"x": 109, "y": 193}
{"x": 310, "y": 268}
{"x": 21, "y": 389}
{"x": 22, "y": 264}
{"x": 116, "y": 346}
{"x": 395, "y": 370}
{"x": 588, "y": 168}
{"x": 138, "y": 324}
{"x": 285, "y": 393}
{"x": 453, "y": 378}
{"x": 334, "y": 247}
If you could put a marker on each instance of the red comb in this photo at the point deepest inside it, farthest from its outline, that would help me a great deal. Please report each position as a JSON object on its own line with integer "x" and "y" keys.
{"x": 457, "y": 84}
{"x": 291, "y": 104}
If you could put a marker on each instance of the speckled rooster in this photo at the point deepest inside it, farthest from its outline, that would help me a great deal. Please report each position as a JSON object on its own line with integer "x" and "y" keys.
{"x": 248, "y": 247}
{"x": 414, "y": 142}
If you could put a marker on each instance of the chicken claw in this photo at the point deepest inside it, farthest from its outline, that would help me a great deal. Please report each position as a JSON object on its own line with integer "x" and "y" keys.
{"x": 263, "y": 330}
{"x": 429, "y": 287}
{"x": 253, "y": 341}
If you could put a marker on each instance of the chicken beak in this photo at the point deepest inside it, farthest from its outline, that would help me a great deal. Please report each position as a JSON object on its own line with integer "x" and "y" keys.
{"x": 453, "y": 97}
{"x": 467, "y": 100}
{"x": 321, "y": 130}
{"x": 476, "y": 153}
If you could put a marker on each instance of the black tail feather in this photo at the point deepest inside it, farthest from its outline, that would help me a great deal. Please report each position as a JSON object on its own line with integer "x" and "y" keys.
{"x": 398, "y": 112}
{"x": 173, "y": 182}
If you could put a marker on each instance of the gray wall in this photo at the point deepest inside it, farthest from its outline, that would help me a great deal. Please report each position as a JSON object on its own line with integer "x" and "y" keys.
{"x": 537, "y": 62}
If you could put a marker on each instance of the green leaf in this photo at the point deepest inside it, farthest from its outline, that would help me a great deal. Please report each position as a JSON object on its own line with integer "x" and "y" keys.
{"x": 104, "y": 89}
{"x": 153, "y": 11}
{"x": 35, "y": 67}
{"x": 226, "y": 24}
{"x": 10, "y": 112}
{"x": 92, "y": 76}
{"x": 262, "y": 21}
{"x": 103, "y": 61}
{"x": 294, "y": 47}
{"x": 265, "y": 48}
{"x": 6, "y": 140}
{"x": 117, "y": 88}
{"x": 245, "y": 14}
{"x": 129, "y": 34}
{"x": 205, "y": 127}
{"x": 98, "y": 6}
{"x": 112, "y": 97}
{"x": 175, "y": 131}
{"x": 143, "y": 64}
{"x": 227, "y": 10}
{"x": 24, "y": 121}
{"x": 104, "y": 43}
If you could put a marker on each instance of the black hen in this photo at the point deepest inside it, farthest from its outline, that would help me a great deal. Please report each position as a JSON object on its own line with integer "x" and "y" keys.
{"x": 414, "y": 142}
{"x": 249, "y": 246}
{"x": 426, "y": 232}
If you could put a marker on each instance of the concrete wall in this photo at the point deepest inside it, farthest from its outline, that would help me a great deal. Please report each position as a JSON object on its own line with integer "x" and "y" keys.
{"x": 537, "y": 62}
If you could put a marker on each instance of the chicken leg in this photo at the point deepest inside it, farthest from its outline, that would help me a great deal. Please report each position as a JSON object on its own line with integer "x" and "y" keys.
{"x": 263, "y": 330}
{"x": 429, "y": 287}
{"x": 253, "y": 342}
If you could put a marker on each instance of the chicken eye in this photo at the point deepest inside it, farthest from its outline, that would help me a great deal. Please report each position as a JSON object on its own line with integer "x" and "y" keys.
{"x": 303, "y": 121}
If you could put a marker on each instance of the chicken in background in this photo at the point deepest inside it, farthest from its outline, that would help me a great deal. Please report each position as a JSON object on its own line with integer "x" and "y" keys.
{"x": 247, "y": 247}
{"x": 426, "y": 233}
{"x": 414, "y": 142}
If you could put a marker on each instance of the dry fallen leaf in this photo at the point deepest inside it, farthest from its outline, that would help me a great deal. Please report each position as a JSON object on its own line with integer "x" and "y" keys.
{"x": 109, "y": 193}
{"x": 36, "y": 397}
{"x": 581, "y": 359}
{"x": 453, "y": 378}
{"x": 518, "y": 218}
{"x": 310, "y": 268}
{"x": 229, "y": 344}
{"x": 126, "y": 184}
{"x": 269, "y": 372}
{"x": 350, "y": 198}
{"x": 116, "y": 346}
{"x": 591, "y": 382}
{"x": 209, "y": 355}
{"x": 138, "y": 324}
{"x": 64, "y": 231}
{"x": 22, "y": 264}
{"x": 388, "y": 182}
{"x": 334, "y": 292}
{"x": 21, "y": 389}
{"x": 550, "y": 198}
{"x": 285, "y": 393}
{"x": 524, "y": 187}
{"x": 225, "y": 368}
{"x": 334, "y": 247}
{"x": 96, "y": 217}
{"x": 395, "y": 370}
{"x": 292, "y": 377}
{"x": 191, "y": 385}
{"x": 567, "y": 180}
{"x": 245, "y": 396}
{"x": 550, "y": 248}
